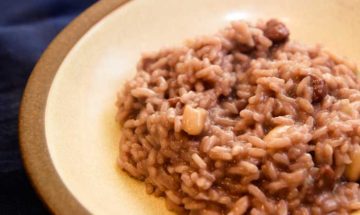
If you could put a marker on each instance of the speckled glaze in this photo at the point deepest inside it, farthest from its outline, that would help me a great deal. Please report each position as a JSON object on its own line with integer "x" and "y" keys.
{"x": 69, "y": 137}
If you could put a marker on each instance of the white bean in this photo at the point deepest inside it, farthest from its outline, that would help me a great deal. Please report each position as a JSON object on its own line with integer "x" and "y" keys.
{"x": 193, "y": 120}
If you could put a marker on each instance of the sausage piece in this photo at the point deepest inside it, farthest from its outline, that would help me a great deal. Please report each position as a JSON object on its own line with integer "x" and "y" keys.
{"x": 320, "y": 89}
{"x": 276, "y": 31}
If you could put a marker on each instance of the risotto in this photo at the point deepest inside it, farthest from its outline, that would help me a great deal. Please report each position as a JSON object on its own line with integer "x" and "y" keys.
{"x": 244, "y": 122}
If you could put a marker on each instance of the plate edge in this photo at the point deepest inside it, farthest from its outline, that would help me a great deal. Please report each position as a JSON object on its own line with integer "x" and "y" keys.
{"x": 32, "y": 140}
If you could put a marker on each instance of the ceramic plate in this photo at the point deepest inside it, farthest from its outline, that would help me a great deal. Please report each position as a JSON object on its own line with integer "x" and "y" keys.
{"x": 69, "y": 137}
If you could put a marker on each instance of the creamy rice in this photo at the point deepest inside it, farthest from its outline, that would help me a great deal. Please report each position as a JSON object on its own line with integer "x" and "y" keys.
{"x": 244, "y": 122}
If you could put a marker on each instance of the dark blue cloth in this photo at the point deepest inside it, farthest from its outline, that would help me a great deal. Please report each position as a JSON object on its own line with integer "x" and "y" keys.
{"x": 26, "y": 28}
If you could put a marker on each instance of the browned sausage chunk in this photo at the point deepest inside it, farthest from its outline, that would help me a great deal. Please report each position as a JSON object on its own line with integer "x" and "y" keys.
{"x": 276, "y": 31}
{"x": 319, "y": 88}
{"x": 326, "y": 178}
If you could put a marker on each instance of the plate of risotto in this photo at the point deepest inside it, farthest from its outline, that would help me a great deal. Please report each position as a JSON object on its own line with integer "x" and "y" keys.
{"x": 198, "y": 107}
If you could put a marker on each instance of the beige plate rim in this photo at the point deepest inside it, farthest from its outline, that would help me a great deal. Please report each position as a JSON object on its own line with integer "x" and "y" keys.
{"x": 32, "y": 140}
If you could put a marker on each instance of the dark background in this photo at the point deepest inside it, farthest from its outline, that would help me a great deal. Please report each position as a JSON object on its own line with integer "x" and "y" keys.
{"x": 26, "y": 28}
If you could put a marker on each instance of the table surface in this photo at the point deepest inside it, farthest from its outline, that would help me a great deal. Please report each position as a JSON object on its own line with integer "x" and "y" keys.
{"x": 26, "y": 28}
